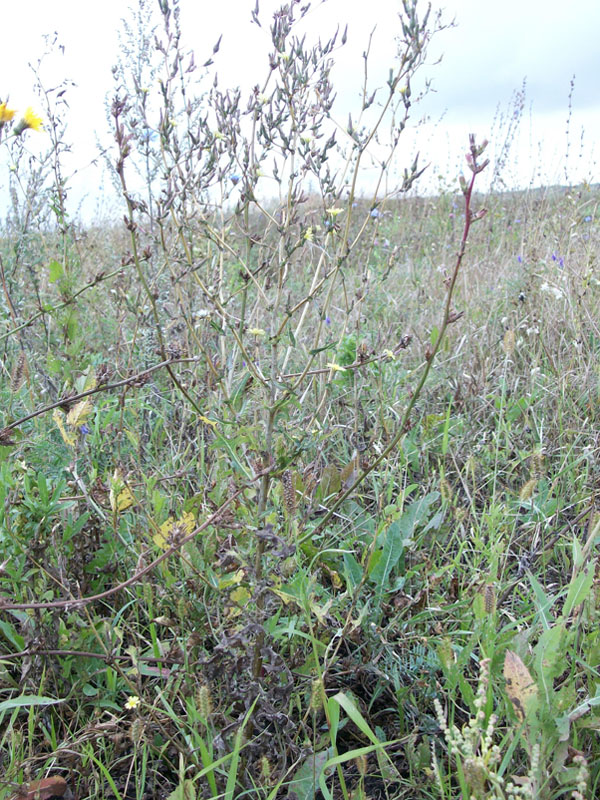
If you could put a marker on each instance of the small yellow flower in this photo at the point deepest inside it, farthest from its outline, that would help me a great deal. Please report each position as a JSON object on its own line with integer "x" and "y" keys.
{"x": 256, "y": 332}
{"x": 29, "y": 120}
{"x": 333, "y": 212}
{"x": 336, "y": 367}
{"x": 309, "y": 235}
{"x": 6, "y": 113}
{"x": 389, "y": 354}
{"x": 133, "y": 702}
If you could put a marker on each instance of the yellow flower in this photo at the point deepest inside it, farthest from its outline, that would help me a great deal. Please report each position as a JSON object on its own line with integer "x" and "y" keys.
{"x": 6, "y": 113}
{"x": 133, "y": 702}
{"x": 256, "y": 332}
{"x": 333, "y": 212}
{"x": 29, "y": 120}
{"x": 336, "y": 367}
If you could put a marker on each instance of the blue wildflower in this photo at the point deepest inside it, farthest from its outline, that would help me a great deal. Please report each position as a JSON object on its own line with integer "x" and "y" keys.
{"x": 84, "y": 430}
{"x": 588, "y": 218}
{"x": 327, "y": 320}
{"x": 235, "y": 178}
{"x": 375, "y": 212}
{"x": 520, "y": 259}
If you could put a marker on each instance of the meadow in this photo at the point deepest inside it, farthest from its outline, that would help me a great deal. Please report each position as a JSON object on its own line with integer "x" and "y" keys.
{"x": 297, "y": 490}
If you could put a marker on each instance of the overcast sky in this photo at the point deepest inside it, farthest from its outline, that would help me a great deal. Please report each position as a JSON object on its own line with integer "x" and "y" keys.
{"x": 486, "y": 56}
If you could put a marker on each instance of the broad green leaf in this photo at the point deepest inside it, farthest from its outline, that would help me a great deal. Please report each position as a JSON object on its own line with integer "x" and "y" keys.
{"x": 393, "y": 546}
{"x": 185, "y": 791}
{"x": 26, "y": 700}
{"x": 305, "y": 781}
{"x": 579, "y": 588}
{"x": 550, "y": 652}
{"x": 352, "y": 570}
{"x": 398, "y": 533}
{"x": 55, "y": 270}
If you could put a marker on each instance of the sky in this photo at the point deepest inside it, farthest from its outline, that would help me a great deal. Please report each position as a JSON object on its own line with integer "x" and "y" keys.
{"x": 476, "y": 69}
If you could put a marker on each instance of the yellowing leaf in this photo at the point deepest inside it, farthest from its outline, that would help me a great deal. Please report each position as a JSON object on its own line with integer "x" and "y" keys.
{"x": 161, "y": 536}
{"x": 80, "y": 413}
{"x": 239, "y": 597}
{"x": 285, "y": 596}
{"x": 120, "y": 496}
{"x": 232, "y": 579}
{"x": 187, "y": 523}
{"x": 57, "y": 416}
{"x": 520, "y": 686}
{"x": 119, "y": 502}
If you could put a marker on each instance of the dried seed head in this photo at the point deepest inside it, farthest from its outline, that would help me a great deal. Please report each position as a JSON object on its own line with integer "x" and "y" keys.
{"x": 361, "y": 764}
{"x": 316, "y": 694}
{"x": 203, "y": 701}
{"x": 19, "y": 373}
{"x": 528, "y": 489}
{"x": 489, "y": 598}
{"x": 445, "y": 490}
{"x": 538, "y": 464}
{"x": 136, "y": 731}
{"x": 508, "y": 343}
{"x": 289, "y": 494}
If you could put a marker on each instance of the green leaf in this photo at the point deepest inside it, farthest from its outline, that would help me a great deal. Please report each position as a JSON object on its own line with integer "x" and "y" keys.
{"x": 396, "y": 536}
{"x": 17, "y": 641}
{"x": 304, "y": 783}
{"x": 55, "y": 268}
{"x": 579, "y": 589}
{"x": 185, "y": 791}
{"x": 25, "y": 700}
{"x": 317, "y": 350}
{"x": 352, "y": 570}
{"x": 393, "y": 547}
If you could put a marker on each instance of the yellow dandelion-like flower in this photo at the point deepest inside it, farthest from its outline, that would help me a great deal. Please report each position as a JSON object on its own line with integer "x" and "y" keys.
{"x": 133, "y": 702}
{"x": 6, "y": 113}
{"x": 29, "y": 120}
{"x": 336, "y": 368}
{"x": 333, "y": 212}
{"x": 309, "y": 235}
{"x": 256, "y": 332}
